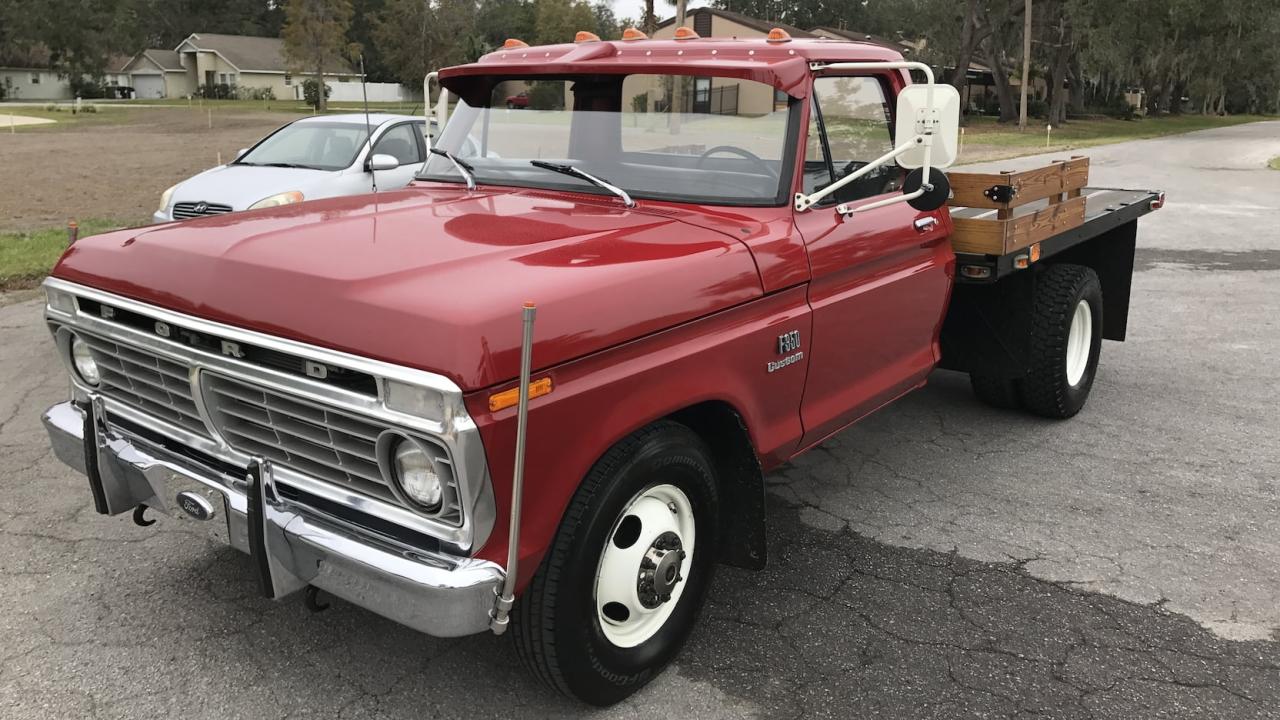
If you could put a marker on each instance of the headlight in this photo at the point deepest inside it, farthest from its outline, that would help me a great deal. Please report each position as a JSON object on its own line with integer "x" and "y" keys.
{"x": 165, "y": 197}
{"x": 83, "y": 360}
{"x": 416, "y": 475}
{"x": 284, "y": 198}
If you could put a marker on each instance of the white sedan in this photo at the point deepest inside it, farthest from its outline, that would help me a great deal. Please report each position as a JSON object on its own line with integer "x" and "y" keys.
{"x": 315, "y": 157}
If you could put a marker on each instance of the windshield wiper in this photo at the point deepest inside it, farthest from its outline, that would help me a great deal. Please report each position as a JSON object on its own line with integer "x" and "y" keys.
{"x": 464, "y": 169}
{"x": 579, "y": 173}
{"x": 289, "y": 165}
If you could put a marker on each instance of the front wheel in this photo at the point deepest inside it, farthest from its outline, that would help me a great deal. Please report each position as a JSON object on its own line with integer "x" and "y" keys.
{"x": 618, "y": 593}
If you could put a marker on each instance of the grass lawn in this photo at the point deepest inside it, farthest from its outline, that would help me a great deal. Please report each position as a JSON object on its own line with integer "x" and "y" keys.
{"x": 25, "y": 257}
{"x": 984, "y": 138}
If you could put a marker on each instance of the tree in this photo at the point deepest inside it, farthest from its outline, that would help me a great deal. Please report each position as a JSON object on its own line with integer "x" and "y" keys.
{"x": 556, "y": 21}
{"x": 315, "y": 37}
{"x": 419, "y": 36}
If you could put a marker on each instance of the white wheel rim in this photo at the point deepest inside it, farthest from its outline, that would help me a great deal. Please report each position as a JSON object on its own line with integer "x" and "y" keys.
{"x": 1079, "y": 343}
{"x": 625, "y": 573}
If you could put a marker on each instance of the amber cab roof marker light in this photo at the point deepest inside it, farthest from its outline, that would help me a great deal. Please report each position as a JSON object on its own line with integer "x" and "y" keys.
{"x": 513, "y": 44}
{"x": 584, "y": 36}
{"x": 778, "y": 35}
{"x": 685, "y": 32}
{"x": 633, "y": 34}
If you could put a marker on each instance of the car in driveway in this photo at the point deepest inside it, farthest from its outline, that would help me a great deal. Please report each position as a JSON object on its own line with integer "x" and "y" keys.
{"x": 315, "y": 157}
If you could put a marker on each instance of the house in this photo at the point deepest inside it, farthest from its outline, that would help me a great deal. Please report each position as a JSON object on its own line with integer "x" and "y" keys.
{"x": 29, "y": 75}
{"x": 903, "y": 46}
{"x": 157, "y": 73}
{"x": 723, "y": 95}
{"x": 250, "y": 65}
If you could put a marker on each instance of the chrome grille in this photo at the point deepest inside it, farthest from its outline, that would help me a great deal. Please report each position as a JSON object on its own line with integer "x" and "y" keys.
{"x": 184, "y": 210}
{"x": 326, "y": 443}
{"x": 153, "y": 384}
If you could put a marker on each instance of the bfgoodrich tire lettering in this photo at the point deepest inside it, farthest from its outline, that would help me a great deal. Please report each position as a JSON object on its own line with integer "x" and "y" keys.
{"x": 1061, "y": 290}
{"x": 557, "y": 630}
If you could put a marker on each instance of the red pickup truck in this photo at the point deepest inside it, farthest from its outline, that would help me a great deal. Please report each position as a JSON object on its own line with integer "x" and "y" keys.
{"x": 727, "y": 268}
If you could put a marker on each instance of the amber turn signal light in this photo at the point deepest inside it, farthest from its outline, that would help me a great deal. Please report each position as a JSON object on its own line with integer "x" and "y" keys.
{"x": 509, "y": 398}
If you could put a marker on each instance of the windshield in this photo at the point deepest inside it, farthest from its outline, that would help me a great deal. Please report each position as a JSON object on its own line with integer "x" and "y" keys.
{"x": 712, "y": 140}
{"x": 311, "y": 144}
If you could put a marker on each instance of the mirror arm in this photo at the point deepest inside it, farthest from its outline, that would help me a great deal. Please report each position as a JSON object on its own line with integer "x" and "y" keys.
{"x": 804, "y": 202}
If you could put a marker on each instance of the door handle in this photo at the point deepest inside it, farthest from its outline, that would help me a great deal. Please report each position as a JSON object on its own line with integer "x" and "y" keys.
{"x": 925, "y": 224}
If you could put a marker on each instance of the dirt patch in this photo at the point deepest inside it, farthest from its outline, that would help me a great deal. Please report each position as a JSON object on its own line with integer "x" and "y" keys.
{"x": 117, "y": 170}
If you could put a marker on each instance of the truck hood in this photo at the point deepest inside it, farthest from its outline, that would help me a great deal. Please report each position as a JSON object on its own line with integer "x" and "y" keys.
{"x": 433, "y": 277}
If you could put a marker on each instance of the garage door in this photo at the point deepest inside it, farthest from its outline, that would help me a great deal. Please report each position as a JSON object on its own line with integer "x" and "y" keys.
{"x": 148, "y": 86}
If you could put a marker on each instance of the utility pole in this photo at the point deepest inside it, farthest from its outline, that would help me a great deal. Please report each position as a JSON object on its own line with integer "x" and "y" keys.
{"x": 1026, "y": 66}
{"x": 678, "y": 82}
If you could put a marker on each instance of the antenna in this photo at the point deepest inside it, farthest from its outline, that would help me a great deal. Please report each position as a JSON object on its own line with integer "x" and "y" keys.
{"x": 368, "y": 127}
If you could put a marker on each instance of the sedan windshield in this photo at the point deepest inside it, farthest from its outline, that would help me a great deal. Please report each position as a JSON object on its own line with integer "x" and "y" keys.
{"x": 712, "y": 140}
{"x": 316, "y": 145}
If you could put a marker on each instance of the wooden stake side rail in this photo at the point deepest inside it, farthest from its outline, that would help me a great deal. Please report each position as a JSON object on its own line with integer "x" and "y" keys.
{"x": 1010, "y": 225}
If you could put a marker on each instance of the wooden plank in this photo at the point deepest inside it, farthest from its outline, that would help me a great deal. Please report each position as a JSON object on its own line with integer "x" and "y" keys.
{"x": 1060, "y": 176}
{"x": 991, "y": 236}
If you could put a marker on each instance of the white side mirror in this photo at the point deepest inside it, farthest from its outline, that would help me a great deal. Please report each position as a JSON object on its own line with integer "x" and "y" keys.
{"x": 383, "y": 162}
{"x": 916, "y": 116}
{"x": 240, "y": 153}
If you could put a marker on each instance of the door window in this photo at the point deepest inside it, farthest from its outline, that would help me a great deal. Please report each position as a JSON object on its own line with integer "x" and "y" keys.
{"x": 853, "y": 120}
{"x": 400, "y": 143}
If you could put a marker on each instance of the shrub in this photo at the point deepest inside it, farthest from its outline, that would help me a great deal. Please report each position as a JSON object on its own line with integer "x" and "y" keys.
{"x": 546, "y": 95}
{"x": 311, "y": 92}
{"x": 264, "y": 93}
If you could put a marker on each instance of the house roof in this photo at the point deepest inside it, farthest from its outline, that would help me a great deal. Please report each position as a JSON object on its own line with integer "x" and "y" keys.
{"x": 252, "y": 54}
{"x": 165, "y": 59}
{"x": 764, "y": 26}
{"x": 846, "y": 34}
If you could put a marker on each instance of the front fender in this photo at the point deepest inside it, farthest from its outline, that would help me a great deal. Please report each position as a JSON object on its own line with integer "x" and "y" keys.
{"x": 600, "y": 399}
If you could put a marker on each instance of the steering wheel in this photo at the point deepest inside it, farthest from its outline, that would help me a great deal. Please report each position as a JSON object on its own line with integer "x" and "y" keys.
{"x": 740, "y": 152}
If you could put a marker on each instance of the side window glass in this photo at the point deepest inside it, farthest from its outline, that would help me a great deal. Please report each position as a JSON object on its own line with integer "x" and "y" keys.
{"x": 400, "y": 143}
{"x": 857, "y": 120}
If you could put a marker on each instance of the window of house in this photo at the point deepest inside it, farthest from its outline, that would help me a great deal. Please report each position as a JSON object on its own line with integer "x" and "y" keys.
{"x": 850, "y": 126}
{"x": 35, "y": 78}
{"x": 222, "y": 78}
{"x": 288, "y": 78}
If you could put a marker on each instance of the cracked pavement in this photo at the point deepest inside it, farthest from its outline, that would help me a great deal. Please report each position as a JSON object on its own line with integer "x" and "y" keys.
{"x": 940, "y": 559}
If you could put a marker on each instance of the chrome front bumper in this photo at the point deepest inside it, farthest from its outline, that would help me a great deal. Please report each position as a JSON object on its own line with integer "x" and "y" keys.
{"x": 292, "y": 546}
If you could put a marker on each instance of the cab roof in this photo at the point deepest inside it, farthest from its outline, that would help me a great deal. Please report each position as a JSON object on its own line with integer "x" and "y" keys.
{"x": 784, "y": 65}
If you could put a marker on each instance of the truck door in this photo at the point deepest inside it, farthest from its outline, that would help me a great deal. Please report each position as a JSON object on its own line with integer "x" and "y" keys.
{"x": 880, "y": 279}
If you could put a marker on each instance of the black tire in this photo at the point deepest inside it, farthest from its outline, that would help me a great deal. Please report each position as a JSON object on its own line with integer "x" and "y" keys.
{"x": 1046, "y": 390}
{"x": 1000, "y": 393}
{"x": 556, "y": 629}
{"x": 511, "y": 106}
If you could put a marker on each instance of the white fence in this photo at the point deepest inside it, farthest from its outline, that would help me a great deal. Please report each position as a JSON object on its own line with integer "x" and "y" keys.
{"x": 349, "y": 91}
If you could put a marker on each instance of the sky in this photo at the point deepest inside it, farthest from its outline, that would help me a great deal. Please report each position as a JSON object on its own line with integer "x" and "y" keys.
{"x": 662, "y": 8}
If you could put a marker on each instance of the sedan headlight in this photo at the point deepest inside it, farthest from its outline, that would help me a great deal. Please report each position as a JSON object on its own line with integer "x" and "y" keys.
{"x": 165, "y": 197}
{"x": 284, "y": 198}
{"x": 82, "y": 359}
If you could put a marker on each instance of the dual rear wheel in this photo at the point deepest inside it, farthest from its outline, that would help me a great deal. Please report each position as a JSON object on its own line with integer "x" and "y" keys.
{"x": 1066, "y": 337}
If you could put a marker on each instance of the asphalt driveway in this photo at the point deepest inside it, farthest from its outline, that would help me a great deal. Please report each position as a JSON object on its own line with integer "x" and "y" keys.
{"x": 942, "y": 559}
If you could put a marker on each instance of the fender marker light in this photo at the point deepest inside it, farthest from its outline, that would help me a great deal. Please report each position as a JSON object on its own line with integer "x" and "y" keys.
{"x": 509, "y": 398}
